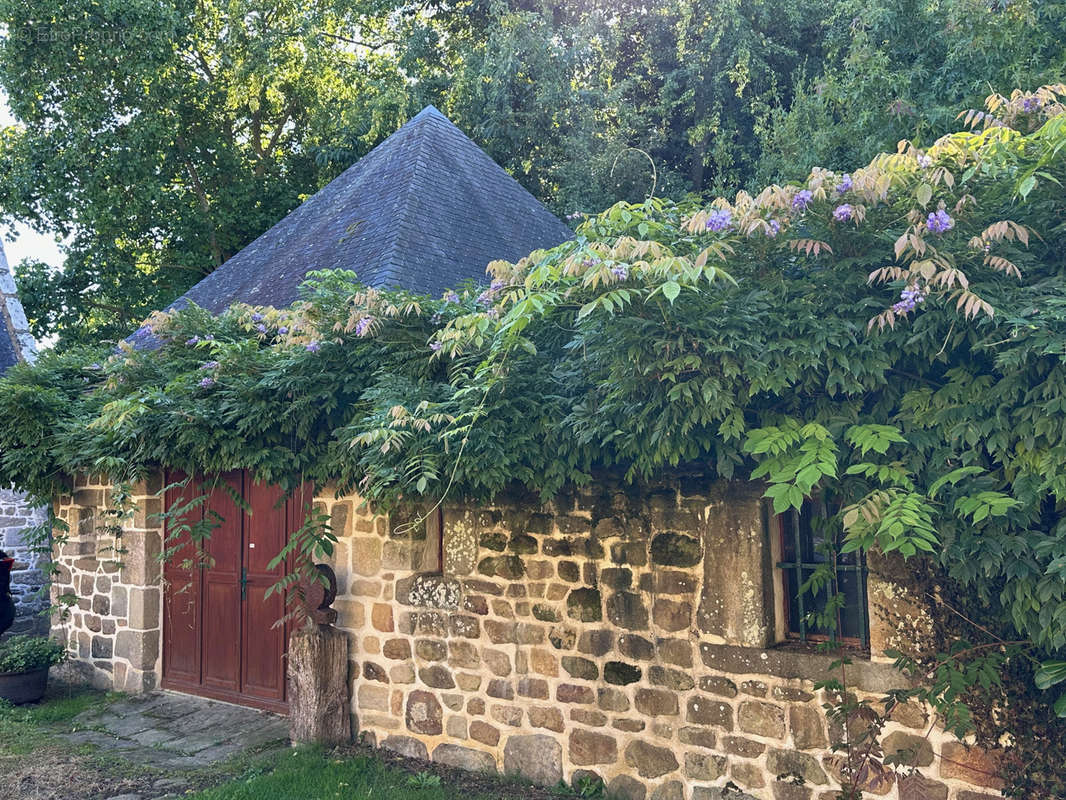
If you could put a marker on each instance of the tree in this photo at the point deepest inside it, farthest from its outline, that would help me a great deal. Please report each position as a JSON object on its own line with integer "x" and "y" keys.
{"x": 162, "y": 137}
{"x": 902, "y": 69}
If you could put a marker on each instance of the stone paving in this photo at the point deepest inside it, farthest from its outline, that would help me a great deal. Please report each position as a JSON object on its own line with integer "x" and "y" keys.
{"x": 171, "y": 731}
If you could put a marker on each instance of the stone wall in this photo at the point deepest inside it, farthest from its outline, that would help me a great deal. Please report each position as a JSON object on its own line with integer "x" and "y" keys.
{"x": 622, "y": 634}
{"x": 617, "y": 634}
{"x": 27, "y": 574}
{"x": 113, "y": 627}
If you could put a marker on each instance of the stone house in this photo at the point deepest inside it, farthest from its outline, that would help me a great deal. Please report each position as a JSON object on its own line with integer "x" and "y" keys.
{"x": 648, "y": 635}
{"x": 16, "y": 513}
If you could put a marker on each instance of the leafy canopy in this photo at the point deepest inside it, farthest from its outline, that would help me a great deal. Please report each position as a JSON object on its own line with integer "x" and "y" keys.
{"x": 158, "y": 138}
{"x": 893, "y": 336}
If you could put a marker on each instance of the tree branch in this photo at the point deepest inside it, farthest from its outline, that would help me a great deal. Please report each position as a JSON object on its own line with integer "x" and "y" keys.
{"x": 201, "y": 195}
{"x": 358, "y": 42}
{"x": 264, "y": 154}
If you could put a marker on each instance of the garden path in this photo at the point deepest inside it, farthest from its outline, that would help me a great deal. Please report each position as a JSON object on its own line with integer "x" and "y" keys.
{"x": 172, "y": 731}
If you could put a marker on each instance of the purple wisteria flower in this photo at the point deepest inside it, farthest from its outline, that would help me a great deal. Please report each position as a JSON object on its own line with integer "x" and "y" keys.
{"x": 845, "y": 184}
{"x": 435, "y": 346}
{"x": 193, "y": 341}
{"x": 209, "y": 338}
{"x": 939, "y": 222}
{"x": 209, "y": 365}
{"x": 362, "y": 327}
{"x": 720, "y": 219}
{"x": 261, "y": 328}
{"x": 925, "y": 161}
{"x": 283, "y": 330}
{"x": 207, "y": 383}
{"x": 843, "y": 212}
{"x": 257, "y": 317}
{"x": 802, "y": 199}
{"x": 497, "y": 284}
{"x": 910, "y": 298}
{"x": 493, "y": 313}
{"x": 773, "y": 227}
{"x": 451, "y": 297}
{"x": 312, "y": 347}
{"x": 95, "y": 365}
{"x": 620, "y": 271}
{"x": 1031, "y": 104}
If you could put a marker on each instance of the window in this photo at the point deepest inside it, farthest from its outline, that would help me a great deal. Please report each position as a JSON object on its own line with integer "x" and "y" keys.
{"x": 807, "y": 544}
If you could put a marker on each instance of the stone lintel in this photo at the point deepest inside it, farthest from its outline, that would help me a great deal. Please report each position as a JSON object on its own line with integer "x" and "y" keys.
{"x": 862, "y": 674}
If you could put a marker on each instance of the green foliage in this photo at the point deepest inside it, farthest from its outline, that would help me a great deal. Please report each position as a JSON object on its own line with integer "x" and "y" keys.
{"x": 27, "y": 653}
{"x": 157, "y": 139}
{"x": 424, "y": 780}
{"x": 28, "y": 729}
{"x": 901, "y": 70}
{"x": 359, "y": 774}
{"x": 1051, "y": 673}
{"x": 794, "y": 459}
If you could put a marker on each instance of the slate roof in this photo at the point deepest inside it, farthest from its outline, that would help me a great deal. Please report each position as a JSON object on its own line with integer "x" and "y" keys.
{"x": 15, "y": 339}
{"x": 425, "y": 210}
{"x": 8, "y": 356}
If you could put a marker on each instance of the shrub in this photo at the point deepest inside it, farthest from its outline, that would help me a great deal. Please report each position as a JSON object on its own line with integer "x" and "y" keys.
{"x": 28, "y": 653}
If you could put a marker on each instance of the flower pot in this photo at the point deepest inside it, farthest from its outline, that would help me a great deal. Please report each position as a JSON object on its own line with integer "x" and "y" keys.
{"x": 23, "y": 687}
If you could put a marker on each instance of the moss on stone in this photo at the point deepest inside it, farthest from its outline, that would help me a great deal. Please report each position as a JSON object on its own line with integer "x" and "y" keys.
{"x": 494, "y": 541}
{"x": 585, "y": 605}
{"x": 545, "y": 613}
{"x": 522, "y": 544}
{"x": 675, "y": 550}
{"x": 620, "y": 674}
{"x": 508, "y": 567}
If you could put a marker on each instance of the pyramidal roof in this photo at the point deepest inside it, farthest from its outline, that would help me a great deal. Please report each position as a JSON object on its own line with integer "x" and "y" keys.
{"x": 425, "y": 210}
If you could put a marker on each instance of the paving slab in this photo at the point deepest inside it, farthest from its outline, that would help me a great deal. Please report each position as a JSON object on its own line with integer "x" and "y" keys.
{"x": 175, "y": 731}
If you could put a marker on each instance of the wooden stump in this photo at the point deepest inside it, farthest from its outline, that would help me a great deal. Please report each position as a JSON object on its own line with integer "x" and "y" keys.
{"x": 319, "y": 705}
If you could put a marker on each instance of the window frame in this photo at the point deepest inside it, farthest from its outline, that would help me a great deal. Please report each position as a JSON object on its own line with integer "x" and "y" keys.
{"x": 790, "y": 572}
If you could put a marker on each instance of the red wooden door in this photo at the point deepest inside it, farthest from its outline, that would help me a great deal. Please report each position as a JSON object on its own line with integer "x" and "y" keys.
{"x": 181, "y": 591}
{"x": 221, "y": 634}
{"x": 263, "y": 655}
{"x": 221, "y": 594}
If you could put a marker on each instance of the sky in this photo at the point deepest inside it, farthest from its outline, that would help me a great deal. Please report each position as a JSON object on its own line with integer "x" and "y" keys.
{"x": 21, "y": 242}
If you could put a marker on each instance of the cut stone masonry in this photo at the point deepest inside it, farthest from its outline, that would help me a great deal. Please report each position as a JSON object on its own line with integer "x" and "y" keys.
{"x": 626, "y": 634}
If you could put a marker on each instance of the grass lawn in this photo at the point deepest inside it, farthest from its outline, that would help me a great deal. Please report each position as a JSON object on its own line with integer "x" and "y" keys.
{"x": 23, "y": 729}
{"x": 38, "y": 763}
{"x": 311, "y": 773}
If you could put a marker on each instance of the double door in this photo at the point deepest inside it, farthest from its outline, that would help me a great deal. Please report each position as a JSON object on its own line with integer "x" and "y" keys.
{"x": 221, "y": 632}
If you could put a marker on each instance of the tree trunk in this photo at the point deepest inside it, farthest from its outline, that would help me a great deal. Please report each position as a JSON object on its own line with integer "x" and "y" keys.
{"x": 319, "y": 705}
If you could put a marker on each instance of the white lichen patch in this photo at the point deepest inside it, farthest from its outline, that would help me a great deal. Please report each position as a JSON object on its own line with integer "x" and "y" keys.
{"x": 460, "y": 547}
{"x": 430, "y": 591}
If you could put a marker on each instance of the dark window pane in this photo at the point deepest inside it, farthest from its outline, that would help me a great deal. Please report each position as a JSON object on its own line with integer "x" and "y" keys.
{"x": 794, "y": 613}
{"x": 808, "y": 541}
{"x": 852, "y": 617}
{"x": 788, "y": 535}
{"x": 806, "y": 534}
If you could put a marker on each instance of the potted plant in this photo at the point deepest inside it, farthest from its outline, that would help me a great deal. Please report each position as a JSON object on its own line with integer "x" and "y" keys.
{"x": 24, "y": 664}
